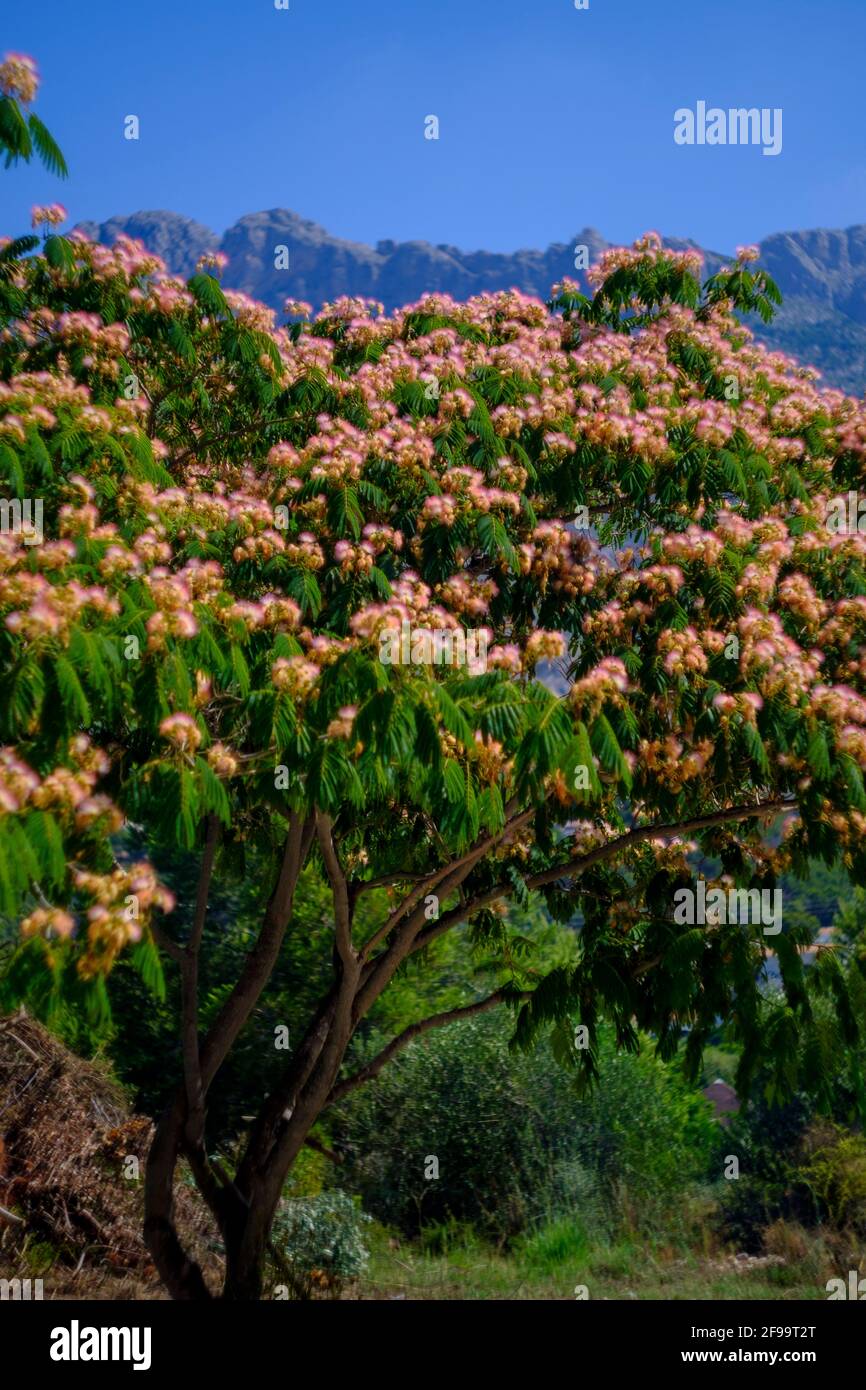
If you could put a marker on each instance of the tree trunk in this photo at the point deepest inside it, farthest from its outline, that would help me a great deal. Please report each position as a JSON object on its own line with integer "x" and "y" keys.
{"x": 181, "y": 1128}
{"x": 247, "y": 1235}
{"x": 180, "y": 1274}
{"x": 246, "y": 1246}
{"x": 283, "y": 1126}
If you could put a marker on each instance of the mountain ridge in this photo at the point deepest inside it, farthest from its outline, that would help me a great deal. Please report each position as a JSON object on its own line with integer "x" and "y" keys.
{"x": 821, "y": 273}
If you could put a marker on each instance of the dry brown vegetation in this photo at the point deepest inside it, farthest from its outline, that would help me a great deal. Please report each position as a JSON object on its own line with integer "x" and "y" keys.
{"x": 70, "y": 1200}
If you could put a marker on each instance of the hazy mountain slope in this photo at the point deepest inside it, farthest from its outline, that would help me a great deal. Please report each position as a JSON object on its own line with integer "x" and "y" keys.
{"x": 178, "y": 240}
{"x": 822, "y": 274}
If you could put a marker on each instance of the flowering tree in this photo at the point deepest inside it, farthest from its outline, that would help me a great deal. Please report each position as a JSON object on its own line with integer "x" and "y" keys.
{"x": 228, "y": 632}
{"x": 22, "y": 134}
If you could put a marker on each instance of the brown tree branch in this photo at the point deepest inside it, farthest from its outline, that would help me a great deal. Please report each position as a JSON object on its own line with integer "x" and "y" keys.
{"x": 600, "y": 854}
{"x": 415, "y": 1030}
{"x": 366, "y": 885}
{"x": 431, "y": 881}
{"x": 189, "y": 989}
{"x": 380, "y": 971}
{"x": 339, "y": 889}
{"x": 165, "y": 943}
{"x": 181, "y": 1274}
{"x": 262, "y": 957}
{"x": 322, "y": 1149}
{"x": 647, "y": 832}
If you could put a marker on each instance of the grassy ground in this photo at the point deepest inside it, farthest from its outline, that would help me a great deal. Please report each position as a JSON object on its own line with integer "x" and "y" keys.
{"x": 559, "y": 1258}
{"x": 557, "y": 1263}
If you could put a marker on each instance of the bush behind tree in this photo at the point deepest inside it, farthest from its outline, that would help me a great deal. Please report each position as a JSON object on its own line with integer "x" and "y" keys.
{"x": 514, "y": 1143}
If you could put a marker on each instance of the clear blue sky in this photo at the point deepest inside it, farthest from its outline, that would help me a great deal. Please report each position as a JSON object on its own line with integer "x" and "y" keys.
{"x": 551, "y": 118}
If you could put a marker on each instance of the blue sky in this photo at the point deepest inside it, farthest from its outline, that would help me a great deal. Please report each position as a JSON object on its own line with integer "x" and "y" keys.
{"x": 551, "y": 119}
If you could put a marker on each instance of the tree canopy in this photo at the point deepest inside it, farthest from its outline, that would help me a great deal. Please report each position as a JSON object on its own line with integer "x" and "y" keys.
{"x": 263, "y": 554}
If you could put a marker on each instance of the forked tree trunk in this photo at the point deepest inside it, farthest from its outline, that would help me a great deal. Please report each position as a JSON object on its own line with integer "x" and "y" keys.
{"x": 280, "y": 1132}
{"x": 245, "y": 1212}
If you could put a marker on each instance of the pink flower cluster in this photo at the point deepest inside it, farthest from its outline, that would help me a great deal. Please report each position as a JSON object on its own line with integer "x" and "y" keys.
{"x": 52, "y": 215}
{"x": 19, "y": 77}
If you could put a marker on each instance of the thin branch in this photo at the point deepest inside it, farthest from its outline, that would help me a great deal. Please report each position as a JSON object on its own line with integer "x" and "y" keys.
{"x": 421, "y": 891}
{"x": 379, "y": 971}
{"x": 322, "y": 1149}
{"x": 262, "y": 957}
{"x": 648, "y": 832}
{"x": 204, "y": 883}
{"x": 416, "y": 1030}
{"x": 398, "y": 876}
{"x": 609, "y": 850}
{"x": 339, "y": 888}
{"x": 189, "y": 988}
{"x": 165, "y": 943}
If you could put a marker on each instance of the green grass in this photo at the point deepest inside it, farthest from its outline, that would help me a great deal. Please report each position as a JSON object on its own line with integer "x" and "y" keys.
{"x": 553, "y": 1261}
{"x": 560, "y": 1243}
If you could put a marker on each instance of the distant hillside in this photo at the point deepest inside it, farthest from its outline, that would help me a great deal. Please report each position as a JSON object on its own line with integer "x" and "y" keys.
{"x": 822, "y": 274}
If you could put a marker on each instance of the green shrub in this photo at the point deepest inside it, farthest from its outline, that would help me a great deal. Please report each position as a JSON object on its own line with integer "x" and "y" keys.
{"x": 794, "y": 1168}
{"x": 766, "y": 1140}
{"x": 834, "y": 1171}
{"x": 319, "y": 1241}
{"x": 462, "y": 1128}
